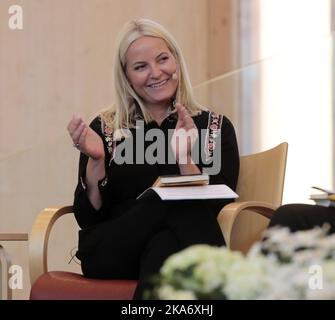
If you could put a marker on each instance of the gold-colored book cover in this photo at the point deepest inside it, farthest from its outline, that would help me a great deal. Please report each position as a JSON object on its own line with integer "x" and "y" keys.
{"x": 181, "y": 180}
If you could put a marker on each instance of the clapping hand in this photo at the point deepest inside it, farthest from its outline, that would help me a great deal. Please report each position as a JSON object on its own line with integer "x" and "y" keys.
{"x": 184, "y": 136}
{"x": 85, "y": 139}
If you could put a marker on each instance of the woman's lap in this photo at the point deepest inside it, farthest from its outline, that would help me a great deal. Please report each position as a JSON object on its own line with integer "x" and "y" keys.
{"x": 122, "y": 241}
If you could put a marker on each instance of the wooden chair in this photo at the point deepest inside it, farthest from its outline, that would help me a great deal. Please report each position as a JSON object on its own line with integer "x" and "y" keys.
{"x": 61, "y": 285}
{"x": 260, "y": 189}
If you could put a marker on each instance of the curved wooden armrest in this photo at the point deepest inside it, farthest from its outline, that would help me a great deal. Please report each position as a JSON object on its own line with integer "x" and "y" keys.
{"x": 229, "y": 213}
{"x": 5, "y": 263}
{"x": 39, "y": 237}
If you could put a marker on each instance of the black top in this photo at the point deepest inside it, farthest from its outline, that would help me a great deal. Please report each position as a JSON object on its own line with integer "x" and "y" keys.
{"x": 124, "y": 182}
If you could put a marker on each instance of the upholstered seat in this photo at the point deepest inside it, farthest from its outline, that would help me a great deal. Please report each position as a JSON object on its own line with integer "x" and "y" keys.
{"x": 60, "y": 285}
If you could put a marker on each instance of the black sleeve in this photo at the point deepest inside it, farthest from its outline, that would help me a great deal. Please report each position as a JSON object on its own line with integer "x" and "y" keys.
{"x": 85, "y": 214}
{"x": 230, "y": 165}
{"x": 230, "y": 160}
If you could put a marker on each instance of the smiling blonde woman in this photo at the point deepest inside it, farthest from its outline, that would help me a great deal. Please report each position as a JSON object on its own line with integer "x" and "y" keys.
{"x": 122, "y": 237}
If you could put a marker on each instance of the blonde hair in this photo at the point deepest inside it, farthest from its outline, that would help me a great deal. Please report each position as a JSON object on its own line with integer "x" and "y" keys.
{"x": 122, "y": 114}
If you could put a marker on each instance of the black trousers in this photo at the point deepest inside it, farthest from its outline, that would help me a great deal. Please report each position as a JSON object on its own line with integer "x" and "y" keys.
{"x": 303, "y": 217}
{"x": 136, "y": 244}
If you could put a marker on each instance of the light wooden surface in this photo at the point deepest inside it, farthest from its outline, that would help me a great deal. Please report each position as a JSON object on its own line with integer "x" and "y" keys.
{"x": 262, "y": 175}
{"x": 13, "y": 236}
{"x": 260, "y": 189}
{"x": 39, "y": 238}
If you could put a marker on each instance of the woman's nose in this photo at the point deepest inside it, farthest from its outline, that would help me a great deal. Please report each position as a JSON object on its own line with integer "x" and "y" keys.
{"x": 155, "y": 72}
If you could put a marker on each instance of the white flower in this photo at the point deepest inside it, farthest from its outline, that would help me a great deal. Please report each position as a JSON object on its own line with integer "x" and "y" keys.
{"x": 167, "y": 292}
{"x": 247, "y": 278}
{"x": 284, "y": 272}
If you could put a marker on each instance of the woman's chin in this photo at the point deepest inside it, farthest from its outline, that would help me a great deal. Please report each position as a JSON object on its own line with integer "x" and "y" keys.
{"x": 161, "y": 96}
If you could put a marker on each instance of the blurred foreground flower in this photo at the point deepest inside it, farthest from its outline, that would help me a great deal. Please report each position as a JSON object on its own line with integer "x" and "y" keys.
{"x": 286, "y": 265}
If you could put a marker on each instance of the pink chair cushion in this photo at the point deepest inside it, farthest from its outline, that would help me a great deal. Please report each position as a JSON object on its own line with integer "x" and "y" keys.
{"x": 59, "y": 285}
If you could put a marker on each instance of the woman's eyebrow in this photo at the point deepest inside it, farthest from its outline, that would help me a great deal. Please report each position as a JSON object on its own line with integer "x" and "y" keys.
{"x": 161, "y": 54}
{"x": 157, "y": 57}
{"x": 137, "y": 62}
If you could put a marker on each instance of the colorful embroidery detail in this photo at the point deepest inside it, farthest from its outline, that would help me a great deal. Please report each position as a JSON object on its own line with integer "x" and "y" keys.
{"x": 108, "y": 135}
{"x": 213, "y": 130}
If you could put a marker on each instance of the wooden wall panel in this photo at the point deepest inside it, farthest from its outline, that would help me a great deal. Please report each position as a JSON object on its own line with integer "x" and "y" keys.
{"x": 222, "y": 42}
{"x": 60, "y": 63}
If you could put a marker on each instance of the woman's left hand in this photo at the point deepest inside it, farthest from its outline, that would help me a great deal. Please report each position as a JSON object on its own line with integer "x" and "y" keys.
{"x": 184, "y": 136}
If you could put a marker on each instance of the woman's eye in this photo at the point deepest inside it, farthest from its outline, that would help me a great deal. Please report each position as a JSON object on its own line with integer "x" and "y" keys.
{"x": 139, "y": 67}
{"x": 163, "y": 59}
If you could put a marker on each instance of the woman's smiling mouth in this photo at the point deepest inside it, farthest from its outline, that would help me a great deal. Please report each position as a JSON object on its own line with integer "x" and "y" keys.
{"x": 158, "y": 84}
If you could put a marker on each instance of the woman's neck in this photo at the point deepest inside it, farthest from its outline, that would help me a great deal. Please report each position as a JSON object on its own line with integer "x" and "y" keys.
{"x": 159, "y": 112}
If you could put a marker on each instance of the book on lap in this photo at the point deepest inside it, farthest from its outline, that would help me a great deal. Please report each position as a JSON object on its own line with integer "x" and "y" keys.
{"x": 191, "y": 187}
{"x": 179, "y": 180}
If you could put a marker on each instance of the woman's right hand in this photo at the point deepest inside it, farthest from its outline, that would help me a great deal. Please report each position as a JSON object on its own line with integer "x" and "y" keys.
{"x": 85, "y": 139}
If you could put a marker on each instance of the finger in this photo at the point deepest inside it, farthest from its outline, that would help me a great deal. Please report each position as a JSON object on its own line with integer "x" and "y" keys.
{"x": 74, "y": 124}
{"x": 189, "y": 123}
{"x": 179, "y": 109}
{"x": 189, "y": 144}
{"x": 180, "y": 121}
{"x": 82, "y": 137}
{"x": 74, "y": 121}
{"x": 184, "y": 112}
{"x": 181, "y": 113}
{"x": 187, "y": 120}
{"x": 76, "y": 134}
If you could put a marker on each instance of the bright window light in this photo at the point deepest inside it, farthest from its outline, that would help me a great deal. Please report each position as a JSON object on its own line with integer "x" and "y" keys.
{"x": 296, "y": 89}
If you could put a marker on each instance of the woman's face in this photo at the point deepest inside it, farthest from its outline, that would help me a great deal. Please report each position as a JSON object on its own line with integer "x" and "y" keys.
{"x": 149, "y": 67}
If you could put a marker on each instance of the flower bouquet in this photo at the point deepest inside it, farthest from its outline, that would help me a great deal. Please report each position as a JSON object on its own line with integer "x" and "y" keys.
{"x": 285, "y": 265}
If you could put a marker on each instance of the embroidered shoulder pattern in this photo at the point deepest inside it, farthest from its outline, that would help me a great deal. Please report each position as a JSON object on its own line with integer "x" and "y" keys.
{"x": 213, "y": 130}
{"x": 108, "y": 136}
